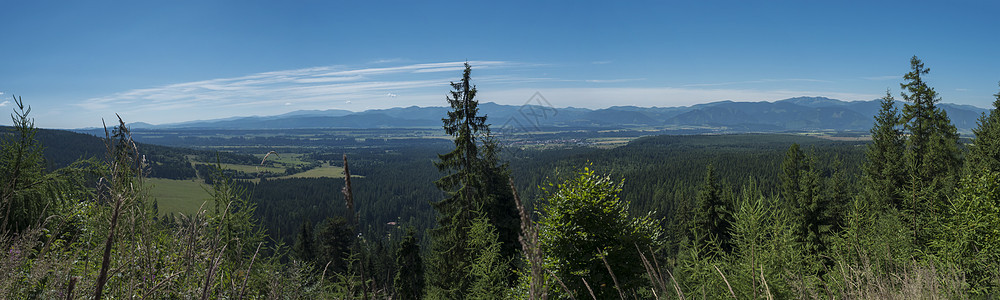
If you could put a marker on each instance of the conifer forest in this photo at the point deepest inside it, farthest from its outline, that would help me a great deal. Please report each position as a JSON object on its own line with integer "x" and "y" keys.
{"x": 908, "y": 210}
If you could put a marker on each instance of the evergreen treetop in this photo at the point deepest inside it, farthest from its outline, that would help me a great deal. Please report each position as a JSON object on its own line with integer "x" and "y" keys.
{"x": 984, "y": 153}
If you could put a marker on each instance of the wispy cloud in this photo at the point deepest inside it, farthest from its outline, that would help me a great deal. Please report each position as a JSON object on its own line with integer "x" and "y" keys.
{"x": 318, "y": 86}
{"x": 4, "y": 104}
{"x": 602, "y": 62}
{"x": 387, "y": 60}
{"x": 880, "y": 78}
{"x": 613, "y": 80}
{"x": 758, "y": 81}
{"x": 385, "y": 85}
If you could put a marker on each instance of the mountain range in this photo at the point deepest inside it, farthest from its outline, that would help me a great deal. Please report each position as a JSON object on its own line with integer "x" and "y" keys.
{"x": 794, "y": 114}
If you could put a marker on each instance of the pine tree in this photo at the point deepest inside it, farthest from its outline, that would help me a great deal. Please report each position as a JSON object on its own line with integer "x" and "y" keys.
{"x": 475, "y": 183}
{"x": 984, "y": 153}
{"x": 712, "y": 214}
{"x": 931, "y": 156}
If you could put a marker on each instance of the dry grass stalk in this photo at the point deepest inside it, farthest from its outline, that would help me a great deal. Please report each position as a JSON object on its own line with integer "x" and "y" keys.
{"x": 157, "y": 286}
{"x": 764, "y": 281}
{"x": 588, "y": 288}
{"x": 655, "y": 274}
{"x": 613, "y": 277}
{"x": 259, "y": 174}
{"x": 69, "y": 288}
{"x": 537, "y": 289}
{"x": 245, "y": 278}
{"x": 725, "y": 280}
{"x": 565, "y": 288}
{"x": 211, "y": 272}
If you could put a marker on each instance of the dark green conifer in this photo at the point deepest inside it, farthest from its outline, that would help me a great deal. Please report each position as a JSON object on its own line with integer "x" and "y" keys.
{"x": 712, "y": 214}
{"x": 806, "y": 206}
{"x": 474, "y": 182}
{"x": 931, "y": 157}
{"x": 409, "y": 280}
{"x": 304, "y": 248}
{"x": 984, "y": 153}
{"x": 333, "y": 244}
{"x": 883, "y": 174}
{"x": 791, "y": 170}
{"x": 22, "y": 167}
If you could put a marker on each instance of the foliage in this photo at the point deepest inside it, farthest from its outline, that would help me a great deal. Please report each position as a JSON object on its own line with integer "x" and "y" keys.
{"x": 754, "y": 238}
{"x": 489, "y": 268}
{"x": 409, "y": 279}
{"x": 984, "y": 153}
{"x": 973, "y": 231}
{"x": 587, "y": 232}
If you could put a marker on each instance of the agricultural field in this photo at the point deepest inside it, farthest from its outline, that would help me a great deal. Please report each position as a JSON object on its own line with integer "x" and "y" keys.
{"x": 323, "y": 171}
{"x": 178, "y": 196}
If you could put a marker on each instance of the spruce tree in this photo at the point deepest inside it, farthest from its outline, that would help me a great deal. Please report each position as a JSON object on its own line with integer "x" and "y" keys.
{"x": 883, "y": 174}
{"x": 805, "y": 205}
{"x": 409, "y": 280}
{"x": 712, "y": 214}
{"x": 984, "y": 153}
{"x": 333, "y": 244}
{"x": 791, "y": 170}
{"x": 931, "y": 155}
{"x": 475, "y": 183}
{"x": 304, "y": 248}
{"x": 22, "y": 167}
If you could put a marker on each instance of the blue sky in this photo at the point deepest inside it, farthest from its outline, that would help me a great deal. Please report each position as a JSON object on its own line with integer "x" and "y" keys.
{"x": 76, "y": 62}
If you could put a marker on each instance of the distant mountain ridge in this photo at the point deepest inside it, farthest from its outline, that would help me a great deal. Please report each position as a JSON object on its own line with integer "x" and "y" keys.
{"x": 793, "y": 114}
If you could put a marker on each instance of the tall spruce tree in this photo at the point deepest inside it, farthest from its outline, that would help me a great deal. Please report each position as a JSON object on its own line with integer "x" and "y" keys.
{"x": 883, "y": 174}
{"x": 711, "y": 221}
{"x": 931, "y": 156}
{"x": 984, "y": 153}
{"x": 475, "y": 183}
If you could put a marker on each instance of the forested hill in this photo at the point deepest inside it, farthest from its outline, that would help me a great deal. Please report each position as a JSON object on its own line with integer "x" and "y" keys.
{"x": 794, "y": 114}
{"x": 62, "y": 148}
